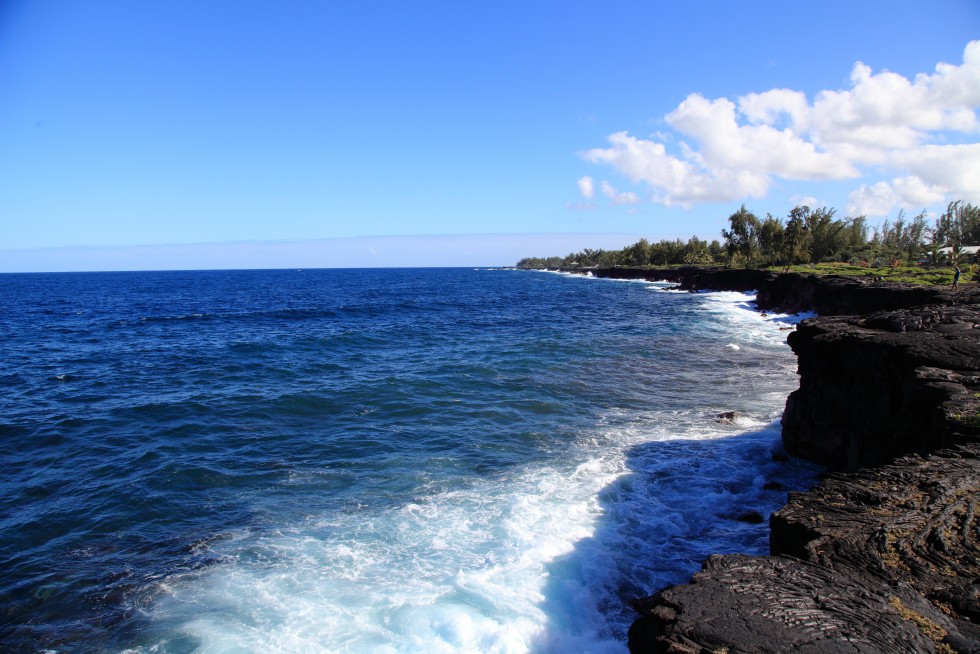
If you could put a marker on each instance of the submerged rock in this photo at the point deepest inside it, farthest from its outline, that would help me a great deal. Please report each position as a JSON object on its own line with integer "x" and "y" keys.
{"x": 751, "y": 517}
{"x": 728, "y": 417}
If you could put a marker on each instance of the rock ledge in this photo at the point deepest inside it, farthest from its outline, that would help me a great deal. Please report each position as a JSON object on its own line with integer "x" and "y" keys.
{"x": 884, "y": 554}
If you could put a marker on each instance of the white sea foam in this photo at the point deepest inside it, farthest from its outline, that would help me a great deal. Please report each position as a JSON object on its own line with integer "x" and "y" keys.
{"x": 664, "y": 286}
{"x": 513, "y": 564}
{"x": 539, "y": 558}
{"x": 462, "y": 571}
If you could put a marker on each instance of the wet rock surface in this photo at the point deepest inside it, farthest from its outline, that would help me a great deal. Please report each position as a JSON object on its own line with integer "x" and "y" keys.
{"x": 884, "y": 554}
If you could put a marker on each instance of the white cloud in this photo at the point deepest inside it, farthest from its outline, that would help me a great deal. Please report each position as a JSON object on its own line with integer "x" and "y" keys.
{"x": 586, "y": 187}
{"x": 678, "y": 181}
{"x": 806, "y": 201}
{"x": 920, "y": 132}
{"x": 956, "y": 168}
{"x": 618, "y": 197}
{"x": 770, "y": 107}
{"x": 762, "y": 148}
{"x": 882, "y": 198}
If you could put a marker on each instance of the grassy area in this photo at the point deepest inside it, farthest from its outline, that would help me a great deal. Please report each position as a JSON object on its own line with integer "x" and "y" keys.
{"x": 911, "y": 274}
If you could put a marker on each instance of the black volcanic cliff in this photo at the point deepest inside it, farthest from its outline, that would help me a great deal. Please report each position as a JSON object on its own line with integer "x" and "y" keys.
{"x": 876, "y": 387}
{"x": 884, "y": 554}
{"x": 828, "y": 295}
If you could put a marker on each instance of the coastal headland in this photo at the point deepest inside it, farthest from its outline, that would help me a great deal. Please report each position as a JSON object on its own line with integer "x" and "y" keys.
{"x": 883, "y": 555}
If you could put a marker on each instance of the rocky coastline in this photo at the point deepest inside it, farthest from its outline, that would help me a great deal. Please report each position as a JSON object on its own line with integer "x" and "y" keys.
{"x": 883, "y": 555}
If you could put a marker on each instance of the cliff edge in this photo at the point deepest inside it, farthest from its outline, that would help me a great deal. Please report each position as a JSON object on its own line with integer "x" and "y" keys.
{"x": 884, "y": 554}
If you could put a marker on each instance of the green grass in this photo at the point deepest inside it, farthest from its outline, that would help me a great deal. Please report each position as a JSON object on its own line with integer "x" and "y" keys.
{"x": 909, "y": 274}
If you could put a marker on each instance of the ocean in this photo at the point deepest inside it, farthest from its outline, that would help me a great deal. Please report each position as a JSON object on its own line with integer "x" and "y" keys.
{"x": 398, "y": 460}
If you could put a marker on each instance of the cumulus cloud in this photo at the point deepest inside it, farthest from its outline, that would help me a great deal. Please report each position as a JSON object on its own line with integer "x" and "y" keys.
{"x": 676, "y": 180}
{"x": 586, "y": 187}
{"x": 763, "y": 149}
{"x": 916, "y": 131}
{"x": 880, "y": 198}
{"x": 954, "y": 167}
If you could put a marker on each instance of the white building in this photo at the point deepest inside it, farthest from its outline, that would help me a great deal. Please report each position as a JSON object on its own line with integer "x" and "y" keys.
{"x": 968, "y": 252}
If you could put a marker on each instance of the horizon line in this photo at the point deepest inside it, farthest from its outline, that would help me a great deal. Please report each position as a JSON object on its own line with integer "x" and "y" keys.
{"x": 492, "y": 250}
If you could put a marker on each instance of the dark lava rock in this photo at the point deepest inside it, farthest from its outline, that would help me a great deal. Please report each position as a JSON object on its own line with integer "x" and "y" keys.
{"x": 884, "y": 554}
{"x": 828, "y": 295}
{"x": 882, "y": 560}
{"x": 914, "y": 522}
{"x": 751, "y": 517}
{"x": 728, "y": 417}
{"x": 779, "y": 604}
{"x": 878, "y": 387}
{"x": 693, "y": 278}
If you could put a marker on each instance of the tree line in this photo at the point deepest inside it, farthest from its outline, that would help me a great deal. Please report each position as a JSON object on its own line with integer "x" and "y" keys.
{"x": 804, "y": 236}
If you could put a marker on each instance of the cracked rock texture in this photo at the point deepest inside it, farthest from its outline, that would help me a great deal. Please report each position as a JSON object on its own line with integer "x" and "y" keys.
{"x": 885, "y": 559}
{"x": 779, "y": 604}
{"x": 876, "y": 387}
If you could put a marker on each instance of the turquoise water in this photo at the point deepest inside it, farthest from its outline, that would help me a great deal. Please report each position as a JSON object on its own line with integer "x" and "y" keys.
{"x": 445, "y": 460}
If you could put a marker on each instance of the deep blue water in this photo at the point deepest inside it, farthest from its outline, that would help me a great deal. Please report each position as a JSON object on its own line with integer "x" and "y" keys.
{"x": 370, "y": 460}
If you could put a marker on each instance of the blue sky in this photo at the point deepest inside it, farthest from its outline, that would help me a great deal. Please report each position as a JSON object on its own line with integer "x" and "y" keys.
{"x": 179, "y": 134}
